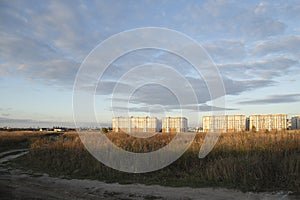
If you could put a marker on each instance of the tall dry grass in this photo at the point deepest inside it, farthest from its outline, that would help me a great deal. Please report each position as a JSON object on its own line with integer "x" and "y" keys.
{"x": 245, "y": 160}
{"x": 16, "y": 139}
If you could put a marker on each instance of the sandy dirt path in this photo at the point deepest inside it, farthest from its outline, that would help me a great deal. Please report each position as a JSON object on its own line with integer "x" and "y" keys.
{"x": 18, "y": 184}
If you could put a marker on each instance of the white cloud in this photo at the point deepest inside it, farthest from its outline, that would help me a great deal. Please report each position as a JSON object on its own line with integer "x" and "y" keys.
{"x": 262, "y": 8}
{"x": 47, "y": 42}
{"x": 153, "y": 94}
{"x": 274, "y": 99}
{"x": 226, "y": 50}
{"x": 290, "y": 45}
{"x": 263, "y": 69}
{"x": 231, "y": 19}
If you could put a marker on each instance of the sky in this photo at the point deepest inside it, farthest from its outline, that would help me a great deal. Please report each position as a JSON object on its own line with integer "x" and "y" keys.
{"x": 255, "y": 46}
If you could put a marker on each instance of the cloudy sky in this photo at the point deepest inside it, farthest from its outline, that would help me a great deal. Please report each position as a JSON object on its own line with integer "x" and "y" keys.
{"x": 255, "y": 46}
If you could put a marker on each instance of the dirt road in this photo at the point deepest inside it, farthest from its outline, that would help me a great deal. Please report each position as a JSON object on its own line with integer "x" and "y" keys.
{"x": 18, "y": 184}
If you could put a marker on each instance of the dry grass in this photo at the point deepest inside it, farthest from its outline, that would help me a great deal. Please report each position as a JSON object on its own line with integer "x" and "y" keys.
{"x": 247, "y": 161}
{"x": 16, "y": 139}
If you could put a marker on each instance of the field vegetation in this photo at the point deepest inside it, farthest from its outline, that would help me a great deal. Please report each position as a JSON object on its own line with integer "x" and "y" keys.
{"x": 17, "y": 139}
{"x": 261, "y": 161}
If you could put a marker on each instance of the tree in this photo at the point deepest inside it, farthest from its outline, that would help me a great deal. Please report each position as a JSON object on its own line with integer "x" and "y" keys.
{"x": 104, "y": 130}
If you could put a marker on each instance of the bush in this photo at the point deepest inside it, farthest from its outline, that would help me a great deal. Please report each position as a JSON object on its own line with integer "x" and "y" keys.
{"x": 104, "y": 130}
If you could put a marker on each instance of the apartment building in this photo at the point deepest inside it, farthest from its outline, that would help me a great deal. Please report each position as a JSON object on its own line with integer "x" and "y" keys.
{"x": 174, "y": 124}
{"x": 135, "y": 124}
{"x": 269, "y": 122}
{"x": 224, "y": 123}
{"x": 295, "y": 122}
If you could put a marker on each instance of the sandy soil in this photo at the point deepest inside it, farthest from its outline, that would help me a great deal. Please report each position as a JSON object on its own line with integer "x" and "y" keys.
{"x": 18, "y": 184}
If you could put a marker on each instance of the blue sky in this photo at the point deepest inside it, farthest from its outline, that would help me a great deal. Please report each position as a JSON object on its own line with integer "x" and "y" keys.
{"x": 255, "y": 45}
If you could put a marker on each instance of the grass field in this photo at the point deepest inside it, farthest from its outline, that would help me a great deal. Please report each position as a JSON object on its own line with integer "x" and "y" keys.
{"x": 16, "y": 139}
{"x": 245, "y": 161}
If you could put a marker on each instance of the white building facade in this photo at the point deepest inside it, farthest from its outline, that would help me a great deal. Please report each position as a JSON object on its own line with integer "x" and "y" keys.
{"x": 268, "y": 122}
{"x": 224, "y": 123}
{"x": 174, "y": 124}
{"x": 135, "y": 124}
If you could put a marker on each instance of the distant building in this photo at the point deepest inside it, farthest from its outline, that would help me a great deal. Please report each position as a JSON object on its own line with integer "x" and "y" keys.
{"x": 268, "y": 122}
{"x": 174, "y": 124}
{"x": 224, "y": 123}
{"x": 135, "y": 124}
{"x": 59, "y": 129}
{"x": 195, "y": 129}
{"x": 43, "y": 129}
{"x": 289, "y": 124}
{"x": 295, "y": 122}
